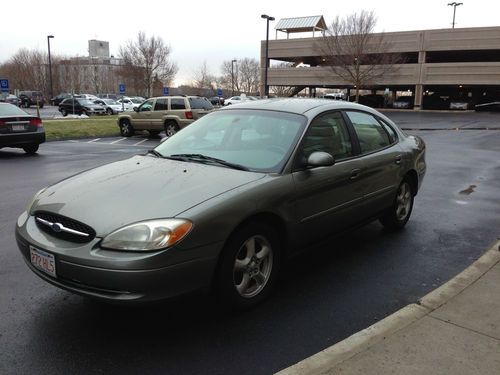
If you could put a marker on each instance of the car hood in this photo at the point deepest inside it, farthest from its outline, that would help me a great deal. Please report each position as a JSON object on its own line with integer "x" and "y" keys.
{"x": 139, "y": 188}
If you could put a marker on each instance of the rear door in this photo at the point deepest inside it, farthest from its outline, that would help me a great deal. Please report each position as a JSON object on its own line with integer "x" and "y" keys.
{"x": 381, "y": 157}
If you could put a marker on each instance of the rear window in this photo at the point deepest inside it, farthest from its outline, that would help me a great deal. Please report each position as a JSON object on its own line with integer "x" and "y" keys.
{"x": 200, "y": 103}
{"x": 11, "y": 110}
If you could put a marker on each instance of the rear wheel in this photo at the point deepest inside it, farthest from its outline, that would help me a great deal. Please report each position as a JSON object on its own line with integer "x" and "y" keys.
{"x": 249, "y": 266}
{"x": 126, "y": 128}
{"x": 399, "y": 213}
{"x": 109, "y": 111}
{"x": 171, "y": 128}
{"x": 64, "y": 112}
{"x": 31, "y": 149}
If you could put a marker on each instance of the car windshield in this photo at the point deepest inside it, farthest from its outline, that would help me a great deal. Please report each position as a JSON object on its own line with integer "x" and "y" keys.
{"x": 137, "y": 101}
{"x": 11, "y": 110}
{"x": 200, "y": 103}
{"x": 257, "y": 140}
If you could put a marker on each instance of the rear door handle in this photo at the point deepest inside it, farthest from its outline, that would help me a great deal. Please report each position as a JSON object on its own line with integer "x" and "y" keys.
{"x": 355, "y": 174}
{"x": 398, "y": 159}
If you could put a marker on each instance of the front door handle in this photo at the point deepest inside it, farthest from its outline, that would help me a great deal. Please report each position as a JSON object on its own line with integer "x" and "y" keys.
{"x": 355, "y": 174}
{"x": 398, "y": 159}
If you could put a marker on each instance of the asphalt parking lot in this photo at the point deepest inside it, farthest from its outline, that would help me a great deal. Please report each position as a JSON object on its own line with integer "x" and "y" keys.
{"x": 337, "y": 289}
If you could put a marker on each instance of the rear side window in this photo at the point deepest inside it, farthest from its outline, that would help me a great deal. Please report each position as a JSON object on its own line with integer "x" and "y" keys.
{"x": 177, "y": 103}
{"x": 200, "y": 103}
{"x": 371, "y": 134}
{"x": 392, "y": 133}
{"x": 161, "y": 105}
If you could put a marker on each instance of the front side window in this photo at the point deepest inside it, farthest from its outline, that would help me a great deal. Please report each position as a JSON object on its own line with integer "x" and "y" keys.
{"x": 177, "y": 103}
{"x": 371, "y": 134}
{"x": 146, "y": 106}
{"x": 328, "y": 133}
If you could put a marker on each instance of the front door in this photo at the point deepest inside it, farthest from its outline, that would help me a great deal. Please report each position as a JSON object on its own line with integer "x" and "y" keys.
{"x": 142, "y": 118}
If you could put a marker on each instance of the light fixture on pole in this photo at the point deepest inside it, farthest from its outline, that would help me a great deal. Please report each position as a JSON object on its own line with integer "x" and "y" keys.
{"x": 51, "y": 93}
{"x": 267, "y": 18}
{"x": 232, "y": 77}
{"x": 454, "y": 5}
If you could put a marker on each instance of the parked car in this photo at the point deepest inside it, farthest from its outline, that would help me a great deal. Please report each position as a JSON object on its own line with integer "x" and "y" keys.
{"x": 80, "y": 106}
{"x": 112, "y": 106}
{"x": 236, "y": 99}
{"x": 489, "y": 107}
{"x": 108, "y": 96}
{"x": 216, "y": 100}
{"x": 404, "y": 102}
{"x": 459, "y": 104}
{"x": 10, "y": 98}
{"x": 18, "y": 129}
{"x": 223, "y": 203}
{"x": 86, "y": 96}
{"x": 169, "y": 113}
{"x": 130, "y": 102}
{"x": 29, "y": 98}
{"x": 56, "y": 100}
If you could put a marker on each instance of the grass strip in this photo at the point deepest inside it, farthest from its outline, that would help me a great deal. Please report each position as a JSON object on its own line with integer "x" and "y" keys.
{"x": 81, "y": 128}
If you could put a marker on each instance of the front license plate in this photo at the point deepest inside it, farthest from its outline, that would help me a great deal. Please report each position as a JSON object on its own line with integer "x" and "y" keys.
{"x": 43, "y": 261}
{"x": 17, "y": 128}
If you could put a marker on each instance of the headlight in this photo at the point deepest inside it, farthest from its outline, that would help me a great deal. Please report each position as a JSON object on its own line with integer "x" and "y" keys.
{"x": 30, "y": 203}
{"x": 148, "y": 235}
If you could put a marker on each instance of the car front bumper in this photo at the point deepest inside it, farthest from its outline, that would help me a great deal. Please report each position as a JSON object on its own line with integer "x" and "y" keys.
{"x": 130, "y": 284}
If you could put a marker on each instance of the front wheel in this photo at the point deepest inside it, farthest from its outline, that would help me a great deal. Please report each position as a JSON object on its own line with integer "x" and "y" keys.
{"x": 399, "y": 213}
{"x": 64, "y": 112}
{"x": 249, "y": 266}
{"x": 126, "y": 129}
{"x": 109, "y": 111}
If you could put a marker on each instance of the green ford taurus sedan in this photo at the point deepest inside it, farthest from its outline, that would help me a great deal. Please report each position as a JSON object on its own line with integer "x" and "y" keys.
{"x": 223, "y": 202}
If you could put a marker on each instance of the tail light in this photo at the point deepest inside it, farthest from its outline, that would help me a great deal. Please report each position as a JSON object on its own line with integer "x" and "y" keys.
{"x": 37, "y": 122}
{"x": 2, "y": 123}
{"x": 189, "y": 115}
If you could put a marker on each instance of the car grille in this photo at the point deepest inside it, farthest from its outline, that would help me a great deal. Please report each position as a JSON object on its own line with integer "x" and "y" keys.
{"x": 64, "y": 228}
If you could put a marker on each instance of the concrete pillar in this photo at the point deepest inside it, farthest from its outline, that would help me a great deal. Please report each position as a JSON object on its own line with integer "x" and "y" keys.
{"x": 419, "y": 90}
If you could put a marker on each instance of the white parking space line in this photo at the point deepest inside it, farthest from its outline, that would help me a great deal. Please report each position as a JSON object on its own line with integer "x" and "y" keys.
{"x": 118, "y": 140}
{"x": 94, "y": 140}
{"x": 138, "y": 143}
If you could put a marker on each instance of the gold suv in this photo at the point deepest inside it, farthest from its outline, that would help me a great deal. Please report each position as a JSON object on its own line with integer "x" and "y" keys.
{"x": 169, "y": 113}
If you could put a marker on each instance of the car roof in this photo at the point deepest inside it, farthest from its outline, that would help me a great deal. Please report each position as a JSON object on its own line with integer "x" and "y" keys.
{"x": 296, "y": 105}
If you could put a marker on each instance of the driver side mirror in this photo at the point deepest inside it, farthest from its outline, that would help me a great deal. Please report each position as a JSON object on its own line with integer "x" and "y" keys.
{"x": 320, "y": 159}
{"x": 136, "y": 109}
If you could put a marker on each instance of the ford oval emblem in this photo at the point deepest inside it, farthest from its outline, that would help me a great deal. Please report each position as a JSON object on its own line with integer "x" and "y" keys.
{"x": 56, "y": 227}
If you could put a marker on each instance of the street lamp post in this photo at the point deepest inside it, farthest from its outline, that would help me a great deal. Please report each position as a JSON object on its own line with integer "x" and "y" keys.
{"x": 50, "y": 67}
{"x": 454, "y": 5}
{"x": 232, "y": 77}
{"x": 267, "y": 18}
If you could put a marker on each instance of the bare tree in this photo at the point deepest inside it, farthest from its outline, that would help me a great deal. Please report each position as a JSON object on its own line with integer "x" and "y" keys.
{"x": 356, "y": 54}
{"x": 203, "y": 79}
{"x": 151, "y": 55}
{"x": 245, "y": 75}
{"x": 27, "y": 70}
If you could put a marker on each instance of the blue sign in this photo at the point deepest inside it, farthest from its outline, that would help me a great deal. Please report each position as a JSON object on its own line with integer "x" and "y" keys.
{"x": 4, "y": 85}
{"x": 121, "y": 88}
{"x": 165, "y": 91}
{"x": 219, "y": 92}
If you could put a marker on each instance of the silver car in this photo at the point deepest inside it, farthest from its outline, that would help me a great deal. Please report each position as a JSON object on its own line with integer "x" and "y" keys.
{"x": 223, "y": 202}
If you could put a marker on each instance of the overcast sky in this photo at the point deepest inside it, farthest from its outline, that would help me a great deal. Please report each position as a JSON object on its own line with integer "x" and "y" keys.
{"x": 207, "y": 30}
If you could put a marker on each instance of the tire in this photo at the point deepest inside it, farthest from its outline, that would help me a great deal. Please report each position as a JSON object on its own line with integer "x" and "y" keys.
{"x": 248, "y": 266}
{"x": 85, "y": 113}
{"x": 31, "y": 149}
{"x": 398, "y": 214}
{"x": 109, "y": 111}
{"x": 171, "y": 128}
{"x": 126, "y": 128}
{"x": 64, "y": 112}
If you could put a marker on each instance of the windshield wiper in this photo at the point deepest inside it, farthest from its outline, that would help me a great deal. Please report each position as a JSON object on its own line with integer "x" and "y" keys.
{"x": 155, "y": 153}
{"x": 203, "y": 158}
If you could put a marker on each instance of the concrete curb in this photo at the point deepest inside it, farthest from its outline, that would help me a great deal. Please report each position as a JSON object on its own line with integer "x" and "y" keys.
{"x": 363, "y": 340}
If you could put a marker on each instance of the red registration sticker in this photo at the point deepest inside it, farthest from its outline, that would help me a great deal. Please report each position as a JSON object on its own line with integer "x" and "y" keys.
{"x": 43, "y": 261}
